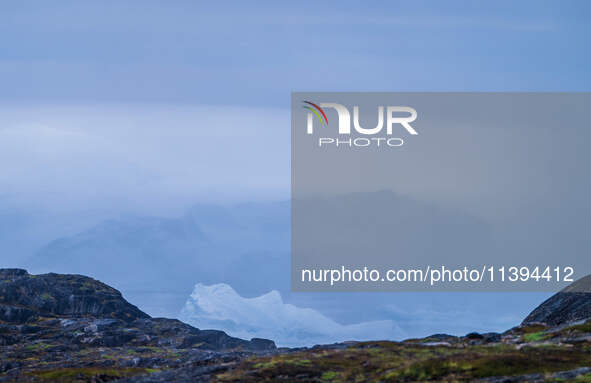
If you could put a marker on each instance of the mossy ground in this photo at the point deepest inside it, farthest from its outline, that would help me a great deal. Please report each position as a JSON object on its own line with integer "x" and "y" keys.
{"x": 404, "y": 362}
{"x": 522, "y": 350}
{"x": 42, "y": 362}
{"x": 83, "y": 375}
{"x": 540, "y": 334}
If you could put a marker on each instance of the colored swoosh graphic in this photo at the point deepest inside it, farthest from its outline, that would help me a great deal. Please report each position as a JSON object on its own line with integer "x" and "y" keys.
{"x": 319, "y": 109}
{"x": 315, "y": 112}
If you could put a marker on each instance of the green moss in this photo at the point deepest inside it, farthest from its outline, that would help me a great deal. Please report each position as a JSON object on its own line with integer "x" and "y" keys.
{"x": 152, "y": 370}
{"x": 47, "y": 297}
{"x": 302, "y": 362}
{"x": 37, "y": 347}
{"x": 259, "y": 366}
{"x": 585, "y": 327}
{"x": 583, "y": 378}
{"x": 329, "y": 375}
{"x": 535, "y": 336}
{"x": 530, "y": 329}
{"x": 579, "y": 379}
{"x": 282, "y": 361}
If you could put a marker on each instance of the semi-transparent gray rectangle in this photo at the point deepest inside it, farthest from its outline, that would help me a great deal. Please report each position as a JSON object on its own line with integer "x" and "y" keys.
{"x": 440, "y": 191}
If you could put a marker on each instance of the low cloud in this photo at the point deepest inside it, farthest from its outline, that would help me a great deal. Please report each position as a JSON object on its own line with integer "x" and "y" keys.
{"x": 146, "y": 157}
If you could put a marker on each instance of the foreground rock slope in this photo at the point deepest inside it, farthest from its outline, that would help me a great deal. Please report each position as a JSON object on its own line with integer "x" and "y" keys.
{"x": 66, "y": 328}
{"x": 52, "y": 324}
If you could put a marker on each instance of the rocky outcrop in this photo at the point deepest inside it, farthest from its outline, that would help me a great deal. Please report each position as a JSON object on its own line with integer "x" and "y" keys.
{"x": 25, "y": 297}
{"x": 569, "y": 305}
{"x": 78, "y": 311}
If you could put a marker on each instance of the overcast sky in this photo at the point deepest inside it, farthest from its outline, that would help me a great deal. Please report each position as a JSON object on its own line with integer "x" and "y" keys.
{"x": 233, "y": 53}
{"x": 186, "y": 100}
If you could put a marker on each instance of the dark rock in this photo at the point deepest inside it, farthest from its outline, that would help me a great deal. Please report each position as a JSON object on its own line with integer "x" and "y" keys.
{"x": 442, "y": 337}
{"x": 12, "y": 273}
{"x": 475, "y": 338}
{"x": 76, "y": 311}
{"x": 261, "y": 344}
{"x": 11, "y": 313}
{"x": 474, "y": 335}
{"x": 491, "y": 337}
{"x": 438, "y": 338}
{"x": 569, "y": 305}
{"x": 22, "y": 296}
